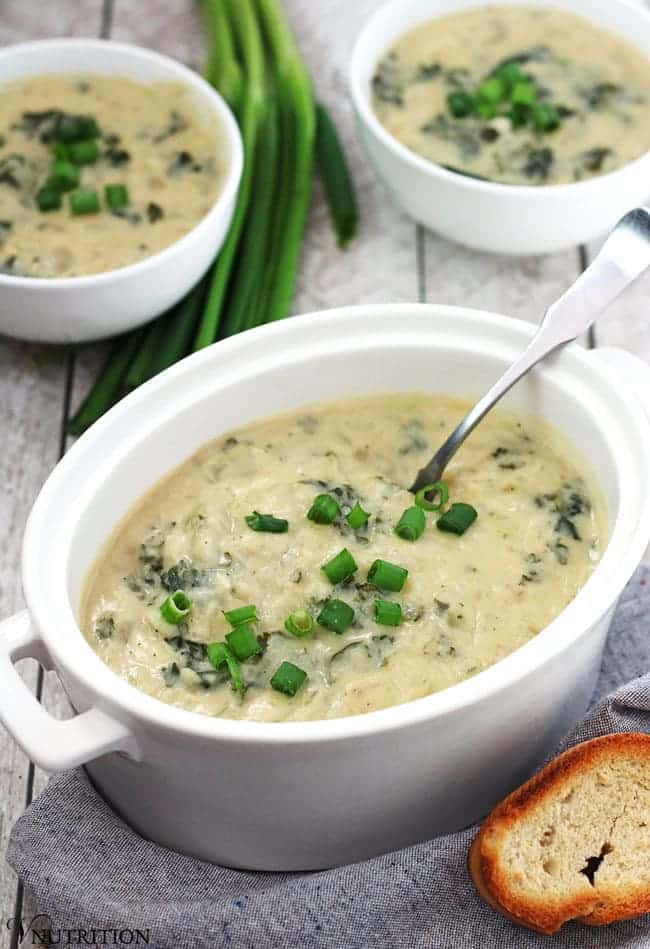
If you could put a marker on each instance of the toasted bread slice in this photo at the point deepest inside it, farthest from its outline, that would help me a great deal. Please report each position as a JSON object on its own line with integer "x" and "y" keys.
{"x": 574, "y": 841}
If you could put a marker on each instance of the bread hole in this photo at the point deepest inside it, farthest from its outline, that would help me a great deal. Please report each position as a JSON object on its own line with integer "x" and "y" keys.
{"x": 567, "y": 797}
{"x": 593, "y": 863}
{"x": 550, "y": 866}
{"x": 547, "y": 837}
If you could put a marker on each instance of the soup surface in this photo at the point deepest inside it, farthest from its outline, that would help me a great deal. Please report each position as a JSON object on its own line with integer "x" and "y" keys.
{"x": 468, "y": 600}
{"x": 515, "y": 94}
{"x": 148, "y": 139}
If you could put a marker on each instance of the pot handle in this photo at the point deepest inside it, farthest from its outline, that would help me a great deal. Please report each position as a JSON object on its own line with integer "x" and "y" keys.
{"x": 634, "y": 371}
{"x": 52, "y": 744}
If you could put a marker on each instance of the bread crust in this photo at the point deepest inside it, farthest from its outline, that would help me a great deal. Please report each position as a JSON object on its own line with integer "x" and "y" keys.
{"x": 492, "y": 883}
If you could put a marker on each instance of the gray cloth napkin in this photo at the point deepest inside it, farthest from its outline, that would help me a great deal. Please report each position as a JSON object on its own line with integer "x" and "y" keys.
{"x": 87, "y": 869}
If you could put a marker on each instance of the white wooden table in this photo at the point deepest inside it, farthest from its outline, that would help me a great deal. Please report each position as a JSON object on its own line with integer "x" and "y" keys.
{"x": 392, "y": 260}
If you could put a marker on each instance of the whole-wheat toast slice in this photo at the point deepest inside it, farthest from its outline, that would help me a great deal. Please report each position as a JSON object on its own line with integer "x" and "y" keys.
{"x": 573, "y": 842}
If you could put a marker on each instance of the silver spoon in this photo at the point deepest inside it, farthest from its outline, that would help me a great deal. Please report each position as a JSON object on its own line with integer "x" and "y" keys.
{"x": 623, "y": 257}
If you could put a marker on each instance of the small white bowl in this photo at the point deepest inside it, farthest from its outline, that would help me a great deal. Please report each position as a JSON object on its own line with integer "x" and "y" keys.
{"x": 78, "y": 309}
{"x": 486, "y": 215}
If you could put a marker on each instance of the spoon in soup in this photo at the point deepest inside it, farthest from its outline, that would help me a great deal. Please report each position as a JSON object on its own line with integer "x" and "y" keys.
{"x": 623, "y": 257}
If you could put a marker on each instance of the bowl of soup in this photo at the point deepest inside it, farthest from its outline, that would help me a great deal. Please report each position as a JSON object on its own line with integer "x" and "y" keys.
{"x": 280, "y": 659}
{"x": 492, "y": 125}
{"x": 119, "y": 170}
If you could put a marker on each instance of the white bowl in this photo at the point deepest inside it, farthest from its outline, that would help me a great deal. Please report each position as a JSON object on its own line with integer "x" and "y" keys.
{"x": 303, "y": 795}
{"x": 77, "y": 309}
{"x": 486, "y": 215}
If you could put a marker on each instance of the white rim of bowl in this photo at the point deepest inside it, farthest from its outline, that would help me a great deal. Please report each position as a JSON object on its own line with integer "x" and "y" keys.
{"x": 120, "y": 695}
{"x": 361, "y": 102}
{"x": 227, "y": 126}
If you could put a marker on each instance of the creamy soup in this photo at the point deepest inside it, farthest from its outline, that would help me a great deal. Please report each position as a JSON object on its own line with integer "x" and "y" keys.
{"x": 97, "y": 173}
{"x": 467, "y": 601}
{"x": 516, "y": 94}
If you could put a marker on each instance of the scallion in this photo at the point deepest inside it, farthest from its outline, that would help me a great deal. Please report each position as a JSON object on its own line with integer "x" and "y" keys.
{"x": 116, "y": 196}
{"x": 84, "y": 202}
{"x": 387, "y": 576}
{"x": 335, "y": 174}
{"x": 300, "y": 623}
{"x": 76, "y": 128}
{"x": 340, "y": 567}
{"x": 243, "y": 642}
{"x": 523, "y": 93}
{"x": 288, "y": 678}
{"x": 63, "y": 175}
{"x": 492, "y": 90}
{"x": 440, "y": 493}
{"x": 336, "y": 615}
{"x": 546, "y": 117}
{"x": 241, "y": 614}
{"x": 175, "y": 607}
{"x": 357, "y": 517}
{"x": 267, "y": 523}
{"x": 457, "y": 519}
{"x": 61, "y": 151}
{"x": 83, "y": 153}
{"x": 324, "y": 509}
{"x": 387, "y": 613}
{"x": 219, "y": 655}
{"x": 411, "y": 524}
{"x": 48, "y": 198}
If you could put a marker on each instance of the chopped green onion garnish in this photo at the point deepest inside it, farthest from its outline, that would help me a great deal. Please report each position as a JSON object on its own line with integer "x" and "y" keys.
{"x": 301, "y": 623}
{"x": 83, "y": 153}
{"x": 518, "y": 115}
{"x": 84, "y": 202}
{"x": 48, "y": 198}
{"x": 63, "y": 175}
{"x": 116, "y": 196}
{"x": 486, "y": 110}
{"x": 357, "y": 517}
{"x": 176, "y": 607}
{"x": 523, "y": 93}
{"x": 324, "y": 509}
{"x": 510, "y": 74}
{"x": 243, "y": 642}
{"x": 242, "y": 614}
{"x": 457, "y": 519}
{"x": 219, "y": 654}
{"x": 460, "y": 104}
{"x": 288, "y": 678}
{"x": 76, "y": 128}
{"x": 492, "y": 90}
{"x": 545, "y": 117}
{"x": 440, "y": 493}
{"x": 387, "y": 614}
{"x": 341, "y": 567}
{"x": 387, "y": 576}
{"x": 60, "y": 151}
{"x": 411, "y": 524}
{"x": 336, "y": 616}
{"x": 267, "y": 523}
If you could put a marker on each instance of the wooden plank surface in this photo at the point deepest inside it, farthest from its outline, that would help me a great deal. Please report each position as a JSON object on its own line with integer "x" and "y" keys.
{"x": 393, "y": 260}
{"x": 33, "y": 382}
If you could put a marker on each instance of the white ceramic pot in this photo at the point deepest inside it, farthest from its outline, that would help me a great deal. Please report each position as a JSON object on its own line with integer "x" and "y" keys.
{"x": 313, "y": 794}
{"x": 508, "y": 219}
{"x": 78, "y": 309}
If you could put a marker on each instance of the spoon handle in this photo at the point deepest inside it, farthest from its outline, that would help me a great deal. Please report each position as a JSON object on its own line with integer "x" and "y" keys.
{"x": 623, "y": 257}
